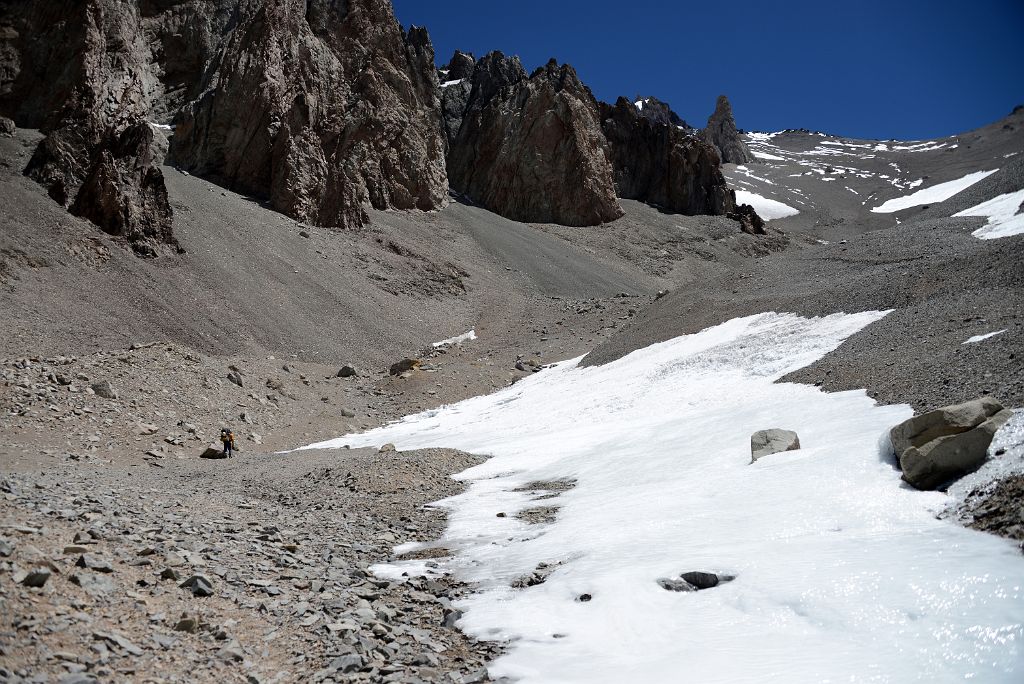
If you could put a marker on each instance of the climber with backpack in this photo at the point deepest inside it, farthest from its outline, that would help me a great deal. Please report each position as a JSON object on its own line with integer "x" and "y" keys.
{"x": 227, "y": 438}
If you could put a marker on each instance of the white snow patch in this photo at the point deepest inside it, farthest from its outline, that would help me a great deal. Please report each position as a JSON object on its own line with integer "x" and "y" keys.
{"x": 931, "y": 195}
{"x": 765, "y": 155}
{"x": 162, "y": 127}
{"x": 979, "y": 338}
{"x": 1003, "y": 215}
{"x": 767, "y": 209}
{"x": 843, "y": 573}
{"x": 458, "y": 339}
{"x": 448, "y": 84}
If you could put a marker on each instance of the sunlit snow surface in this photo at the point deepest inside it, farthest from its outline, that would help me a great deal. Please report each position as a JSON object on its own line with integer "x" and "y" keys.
{"x": 766, "y": 208}
{"x": 940, "y": 192}
{"x": 1003, "y": 213}
{"x": 843, "y": 573}
{"x": 458, "y": 339}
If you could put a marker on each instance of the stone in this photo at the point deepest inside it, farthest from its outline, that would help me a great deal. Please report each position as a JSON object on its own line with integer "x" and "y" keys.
{"x": 347, "y": 663}
{"x": 6, "y": 548}
{"x": 93, "y": 584}
{"x": 187, "y": 624}
{"x": 120, "y": 641}
{"x": 235, "y": 378}
{"x": 37, "y": 577}
{"x": 662, "y": 165}
{"x": 948, "y": 420}
{"x": 389, "y": 447}
{"x": 766, "y": 442}
{"x": 198, "y": 585}
{"x": 348, "y": 413}
{"x": 748, "y": 219}
{"x": 94, "y": 563}
{"x": 214, "y": 450}
{"x": 722, "y": 133}
{"x": 937, "y": 462}
{"x": 702, "y": 580}
{"x": 675, "y": 585}
{"x": 404, "y": 366}
{"x": 103, "y": 389}
{"x": 531, "y": 148}
{"x": 346, "y": 372}
{"x": 7, "y": 127}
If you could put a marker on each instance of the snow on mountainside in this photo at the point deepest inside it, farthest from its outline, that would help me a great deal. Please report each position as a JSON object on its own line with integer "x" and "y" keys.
{"x": 646, "y": 474}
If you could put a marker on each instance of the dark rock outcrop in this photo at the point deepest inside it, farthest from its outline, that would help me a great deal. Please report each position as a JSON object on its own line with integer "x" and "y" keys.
{"x": 81, "y": 71}
{"x": 658, "y": 112}
{"x": 531, "y": 149}
{"x": 721, "y": 132}
{"x": 460, "y": 66}
{"x": 323, "y": 108}
{"x": 456, "y": 86}
{"x": 748, "y": 219}
{"x": 7, "y": 127}
{"x": 662, "y": 165}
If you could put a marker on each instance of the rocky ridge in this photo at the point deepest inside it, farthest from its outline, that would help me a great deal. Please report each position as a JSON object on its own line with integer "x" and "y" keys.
{"x": 722, "y": 133}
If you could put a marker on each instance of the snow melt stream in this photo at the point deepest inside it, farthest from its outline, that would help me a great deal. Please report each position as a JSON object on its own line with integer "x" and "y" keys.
{"x": 843, "y": 573}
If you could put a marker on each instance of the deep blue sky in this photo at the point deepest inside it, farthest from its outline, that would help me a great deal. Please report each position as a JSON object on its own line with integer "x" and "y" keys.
{"x": 873, "y": 68}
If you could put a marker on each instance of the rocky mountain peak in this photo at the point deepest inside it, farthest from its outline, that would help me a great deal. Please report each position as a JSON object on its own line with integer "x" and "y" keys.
{"x": 658, "y": 112}
{"x": 722, "y": 133}
{"x": 460, "y": 66}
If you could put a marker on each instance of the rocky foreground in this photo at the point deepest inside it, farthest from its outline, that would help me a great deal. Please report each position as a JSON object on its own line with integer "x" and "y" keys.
{"x": 255, "y": 569}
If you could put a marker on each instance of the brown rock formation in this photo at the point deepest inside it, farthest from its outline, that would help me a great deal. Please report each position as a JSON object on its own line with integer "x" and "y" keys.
{"x": 721, "y": 132}
{"x": 748, "y": 219}
{"x": 662, "y": 165}
{"x": 322, "y": 107}
{"x": 531, "y": 149}
{"x": 81, "y": 72}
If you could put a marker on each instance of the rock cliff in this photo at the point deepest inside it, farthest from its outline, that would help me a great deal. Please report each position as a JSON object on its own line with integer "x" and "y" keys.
{"x": 662, "y": 165}
{"x": 531, "y": 149}
{"x": 323, "y": 108}
{"x": 722, "y": 133}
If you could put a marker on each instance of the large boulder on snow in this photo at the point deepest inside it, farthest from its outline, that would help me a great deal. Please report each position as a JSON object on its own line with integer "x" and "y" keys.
{"x": 721, "y": 132}
{"x": 943, "y": 445}
{"x": 766, "y": 442}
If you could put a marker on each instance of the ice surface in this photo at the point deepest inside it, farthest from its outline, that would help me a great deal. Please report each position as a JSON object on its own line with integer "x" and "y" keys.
{"x": 458, "y": 339}
{"x": 930, "y": 195}
{"x": 1004, "y": 216}
{"x": 979, "y": 338}
{"x": 767, "y": 209}
{"x": 843, "y": 573}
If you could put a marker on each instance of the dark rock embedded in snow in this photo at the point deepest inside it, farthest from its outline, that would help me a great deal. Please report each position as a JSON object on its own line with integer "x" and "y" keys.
{"x": 662, "y": 165}
{"x": 694, "y": 580}
{"x": 766, "y": 442}
{"x": 721, "y": 132}
{"x": 531, "y": 149}
{"x": 940, "y": 446}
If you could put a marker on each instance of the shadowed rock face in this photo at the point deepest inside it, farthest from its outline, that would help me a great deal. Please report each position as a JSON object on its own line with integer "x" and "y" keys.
{"x": 531, "y": 149}
{"x": 660, "y": 164}
{"x": 81, "y": 71}
{"x": 658, "y": 112}
{"x": 721, "y": 132}
{"x": 323, "y": 107}
{"x": 455, "y": 96}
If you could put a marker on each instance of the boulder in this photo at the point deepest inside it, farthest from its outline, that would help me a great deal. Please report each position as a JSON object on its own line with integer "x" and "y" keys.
{"x": 660, "y": 164}
{"x": 346, "y": 372}
{"x": 404, "y": 366}
{"x": 385, "y": 448}
{"x": 7, "y": 127}
{"x": 943, "y": 445}
{"x": 235, "y": 378}
{"x": 213, "y": 451}
{"x": 531, "y": 149}
{"x": 748, "y": 219}
{"x": 722, "y": 133}
{"x": 765, "y": 442}
{"x": 104, "y": 389}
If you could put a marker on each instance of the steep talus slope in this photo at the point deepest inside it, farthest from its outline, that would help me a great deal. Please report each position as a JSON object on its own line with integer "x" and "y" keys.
{"x": 531, "y": 149}
{"x": 654, "y": 161}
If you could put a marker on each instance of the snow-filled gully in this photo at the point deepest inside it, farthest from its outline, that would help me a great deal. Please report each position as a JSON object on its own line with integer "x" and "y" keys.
{"x": 843, "y": 573}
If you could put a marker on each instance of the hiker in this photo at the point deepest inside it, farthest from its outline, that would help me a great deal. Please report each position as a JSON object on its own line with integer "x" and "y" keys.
{"x": 228, "y": 439}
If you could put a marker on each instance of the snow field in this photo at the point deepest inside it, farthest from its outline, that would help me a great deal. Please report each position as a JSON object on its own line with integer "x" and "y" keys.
{"x": 939, "y": 192}
{"x": 766, "y": 208}
{"x": 843, "y": 573}
{"x": 1003, "y": 213}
